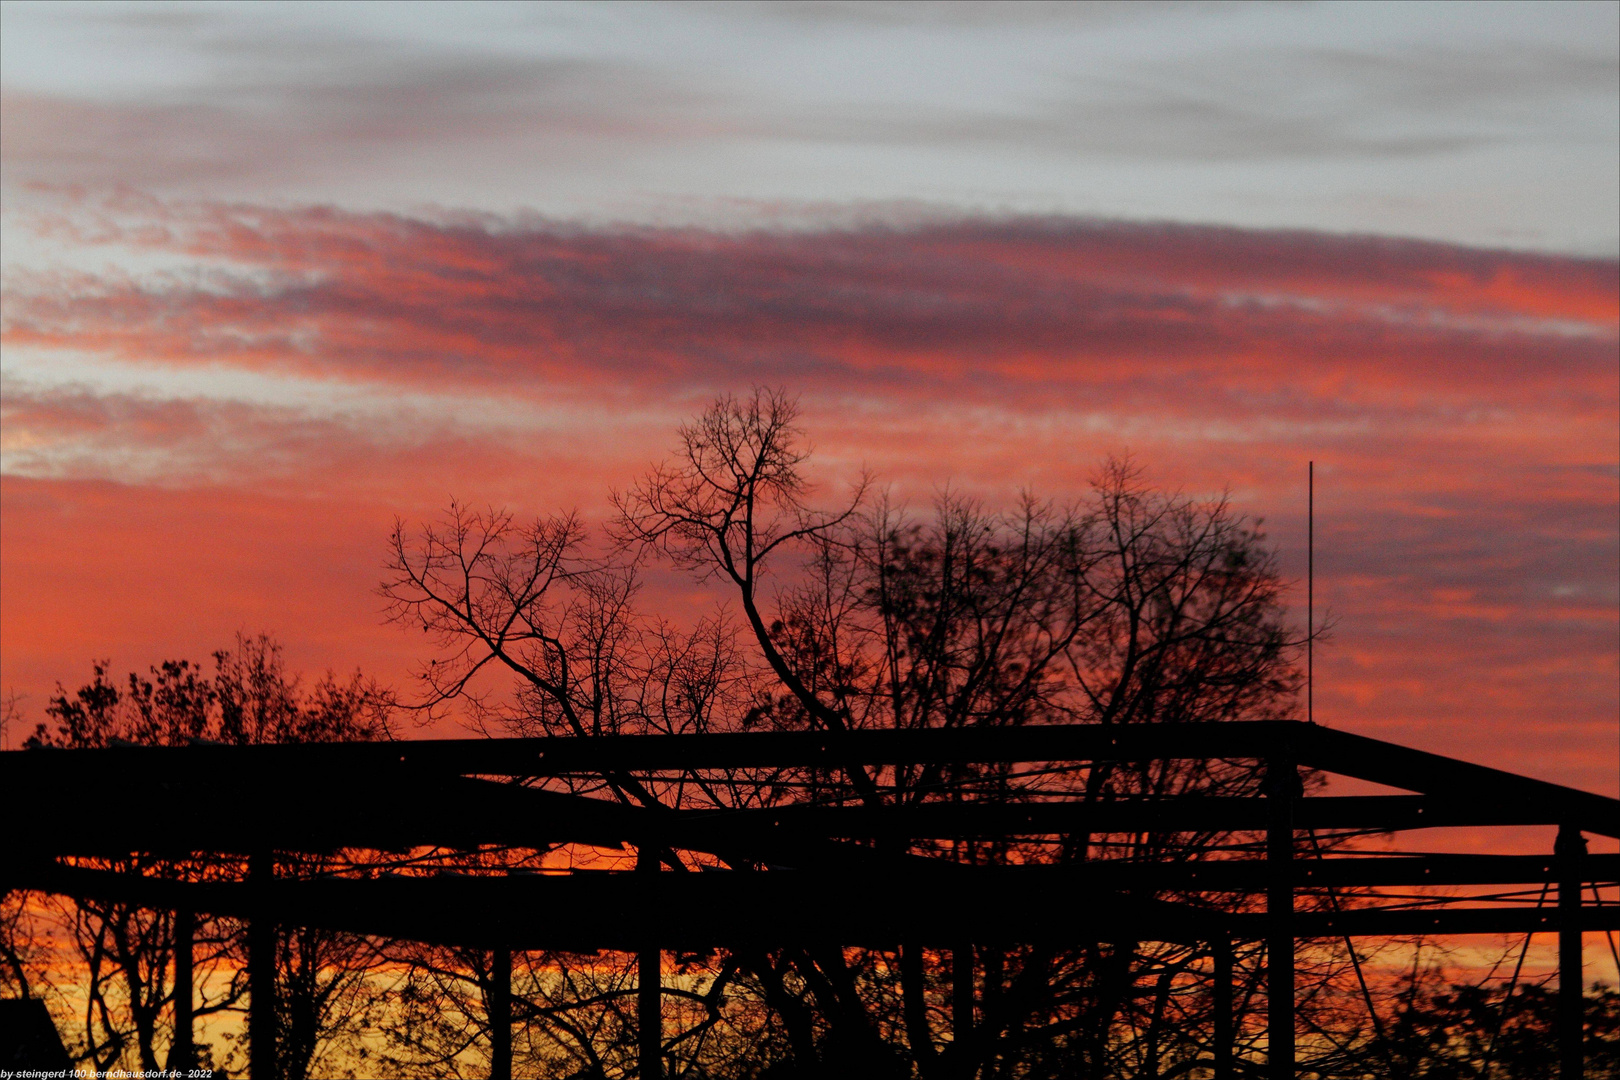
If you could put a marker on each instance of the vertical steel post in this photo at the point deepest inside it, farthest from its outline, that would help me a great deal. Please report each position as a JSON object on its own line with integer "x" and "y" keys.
{"x": 262, "y": 1063}
{"x": 500, "y": 1014}
{"x": 1282, "y": 786}
{"x": 649, "y": 1009}
{"x": 990, "y": 996}
{"x": 961, "y": 992}
{"x": 1569, "y": 851}
{"x": 183, "y": 1051}
{"x": 1225, "y": 1034}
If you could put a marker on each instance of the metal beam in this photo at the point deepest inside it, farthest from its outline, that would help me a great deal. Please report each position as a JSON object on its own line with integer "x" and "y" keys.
{"x": 463, "y": 813}
{"x": 1192, "y": 813}
{"x": 500, "y": 1014}
{"x": 1571, "y": 853}
{"x": 320, "y": 813}
{"x": 649, "y": 979}
{"x": 258, "y": 903}
{"x": 620, "y": 911}
{"x": 1282, "y": 787}
{"x": 316, "y": 764}
{"x": 182, "y": 1051}
{"x": 961, "y": 991}
{"x": 1225, "y": 1032}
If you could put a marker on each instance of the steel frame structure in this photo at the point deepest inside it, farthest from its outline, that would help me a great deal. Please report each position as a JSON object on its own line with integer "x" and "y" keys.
{"x": 794, "y": 861}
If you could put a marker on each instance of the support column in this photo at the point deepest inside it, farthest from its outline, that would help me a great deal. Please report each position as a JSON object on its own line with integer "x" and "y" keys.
{"x": 961, "y": 992}
{"x": 1225, "y": 1034}
{"x": 990, "y": 1003}
{"x": 1282, "y": 787}
{"x": 500, "y": 1014}
{"x": 649, "y": 976}
{"x": 262, "y": 1063}
{"x": 183, "y": 1051}
{"x": 1570, "y": 850}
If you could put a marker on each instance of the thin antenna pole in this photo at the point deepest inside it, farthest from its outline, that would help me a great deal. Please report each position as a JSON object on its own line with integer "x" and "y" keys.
{"x": 1310, "y": 593}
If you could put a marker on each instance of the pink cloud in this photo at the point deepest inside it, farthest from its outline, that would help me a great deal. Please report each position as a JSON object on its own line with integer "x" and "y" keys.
{"x": 1461, "y": 404}
{"x": 999, "y": 307}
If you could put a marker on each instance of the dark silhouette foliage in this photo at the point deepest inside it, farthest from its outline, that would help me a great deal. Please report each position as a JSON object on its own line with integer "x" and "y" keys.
{"x": 128, "y": 951}
{"x": 1127, "y": 606}
{"x": 1124, "y": 605}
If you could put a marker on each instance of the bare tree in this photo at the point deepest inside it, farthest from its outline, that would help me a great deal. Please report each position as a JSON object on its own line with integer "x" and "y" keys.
{"x": 126, "y": 995}
{"x": 729, "y": 500}
{"x": 1128, "y": 606}
{"x": 535, "y": 602}
{"x": 1132, "y": 606}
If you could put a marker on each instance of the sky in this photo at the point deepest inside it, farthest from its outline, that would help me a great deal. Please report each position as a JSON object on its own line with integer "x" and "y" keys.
{"x": 275, "y": 274}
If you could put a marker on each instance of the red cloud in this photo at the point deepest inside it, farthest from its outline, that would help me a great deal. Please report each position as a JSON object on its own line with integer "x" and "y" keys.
{"x": 1462, "y": 404}
{"x": 1007, "y": 309}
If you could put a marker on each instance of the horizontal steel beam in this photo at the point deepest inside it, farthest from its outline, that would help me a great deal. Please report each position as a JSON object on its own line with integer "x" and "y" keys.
{"x": 465, "y": 813}
{"x": 587, "y": 911}
{"x": 623, "y": 911}
{"x": 310, "y": 770}
{"x": 326, "y": 789}
{"x": 1183, "y": 814}
{"x": 1391, "y": 764}
{"x": 315, "y": 814}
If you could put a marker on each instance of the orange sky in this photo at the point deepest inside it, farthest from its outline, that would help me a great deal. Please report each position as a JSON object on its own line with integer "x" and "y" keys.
{"x": 210, "y": 427}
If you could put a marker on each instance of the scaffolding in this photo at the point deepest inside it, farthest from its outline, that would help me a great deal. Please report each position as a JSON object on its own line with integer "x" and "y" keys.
{"x": 791, "y": 865}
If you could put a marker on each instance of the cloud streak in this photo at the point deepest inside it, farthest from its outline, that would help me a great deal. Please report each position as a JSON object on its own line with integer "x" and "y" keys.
{"x": 525, "y": 304}
{"x": 1493, "y": 127}
{"x": 1461, "y": 404}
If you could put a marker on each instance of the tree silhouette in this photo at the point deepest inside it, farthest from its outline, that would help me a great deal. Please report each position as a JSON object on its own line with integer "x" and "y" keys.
{"x": 1123, "y": 607}
{"x": 127, "y": 951}
{"x": 1129, "y": 606}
